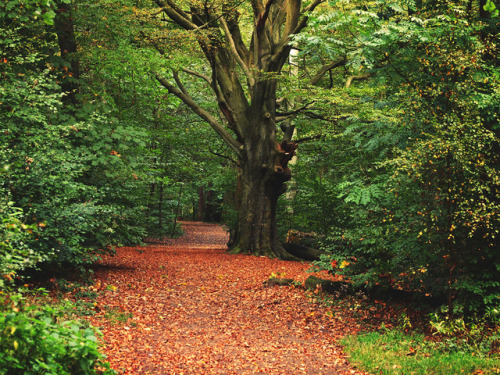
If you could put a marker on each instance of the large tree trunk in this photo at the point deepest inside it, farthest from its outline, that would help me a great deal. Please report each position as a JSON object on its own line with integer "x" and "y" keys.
{"x": 264, "y": 171}
{"x": 256, "y": 231}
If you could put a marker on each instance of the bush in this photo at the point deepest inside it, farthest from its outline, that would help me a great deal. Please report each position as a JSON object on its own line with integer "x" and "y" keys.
{"x": 15, "y": 254}
{"x": 37, "y": 339}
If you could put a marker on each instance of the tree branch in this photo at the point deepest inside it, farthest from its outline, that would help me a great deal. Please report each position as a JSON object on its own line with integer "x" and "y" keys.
{"x": 263, "y": 14}
{"x": 224, "y": 156}
{"x": 179, "y": 83}
{"x": 294, "y": 112}
{"x": 303, "y": 22}
{"x": 234, "y": 29}
{"x": 205, "y": 115}
{"x": 198, "y": 74}
{"x": 306, "y": 139}
{"x": 315, "y": 116}
{"x": 284, "y": 44}
{"x": 335, "y": 64}
{"x": 292, "y": 19}
{"x": 358, "y": 77}
{"x": 248, "y": 74}
{"x": 220, "y": 98}
{"x": 312, "y": 6}
{"x": 257, "y": 7}
{"x": 176, "y": 14}
{"x": 309, "y": 114}
{"x": 160, "y": 50}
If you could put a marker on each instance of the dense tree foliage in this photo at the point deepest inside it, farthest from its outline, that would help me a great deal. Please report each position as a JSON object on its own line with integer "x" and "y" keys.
{"x": 412, "y": 183}
{"x": 58, "y": 155}
{"x": 79, "y": 174}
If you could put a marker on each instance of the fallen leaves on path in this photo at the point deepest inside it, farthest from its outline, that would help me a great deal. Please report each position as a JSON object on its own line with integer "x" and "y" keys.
{"x": 187, "y": 307}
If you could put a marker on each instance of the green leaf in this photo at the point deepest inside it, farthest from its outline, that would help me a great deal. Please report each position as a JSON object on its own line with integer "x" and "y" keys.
{"x": 48, "y": 17}
{"x": 491, "y": 7}
{"x": 396, "y": 7}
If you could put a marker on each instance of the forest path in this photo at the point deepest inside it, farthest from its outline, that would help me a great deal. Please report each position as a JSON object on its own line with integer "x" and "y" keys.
{"x": 185, "y": 306}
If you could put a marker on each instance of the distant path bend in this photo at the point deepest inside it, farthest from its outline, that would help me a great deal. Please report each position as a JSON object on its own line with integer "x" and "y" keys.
{"x": 185, "y": 306}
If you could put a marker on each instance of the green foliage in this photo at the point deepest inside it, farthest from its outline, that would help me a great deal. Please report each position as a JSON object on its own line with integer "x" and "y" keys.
{"x": 116, "y": 316}
{"x": 15, "y": 254}
{"x": 27, "y": 10}
{"x": 490, "y": 7}
{"x": 72, "y": 169}
{"x": 412, "y": 182}
{"x": 473, "y": 336}
{"x": 39, "y": 340}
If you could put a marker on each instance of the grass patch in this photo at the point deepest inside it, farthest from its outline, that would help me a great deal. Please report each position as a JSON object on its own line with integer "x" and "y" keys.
{"x": 394, "y": 352}
{"x": 117, "y": 316}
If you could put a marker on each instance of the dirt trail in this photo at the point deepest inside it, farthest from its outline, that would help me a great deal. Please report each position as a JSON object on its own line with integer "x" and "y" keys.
{"x": 193, "y": 309}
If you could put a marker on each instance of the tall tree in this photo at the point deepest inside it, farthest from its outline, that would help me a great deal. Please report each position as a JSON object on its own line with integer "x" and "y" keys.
{"x": 244, "y": 79}
{"x": 66, "y": 38}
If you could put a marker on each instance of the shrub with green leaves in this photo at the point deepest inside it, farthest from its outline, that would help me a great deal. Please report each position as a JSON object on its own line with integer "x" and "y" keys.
{"x": 60, "y": 164}
{"x": 38, "y": 339}
{"x": 15, "y": 254}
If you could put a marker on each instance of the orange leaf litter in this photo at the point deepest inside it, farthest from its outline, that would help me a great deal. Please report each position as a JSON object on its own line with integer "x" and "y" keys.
{"x": 197, "y": 310}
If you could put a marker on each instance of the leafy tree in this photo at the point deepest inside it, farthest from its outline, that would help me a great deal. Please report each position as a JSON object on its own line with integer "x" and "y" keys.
{"x": 246, "y": 47}
{"x": 423, "y": 199}
{"x": 62, "y": 159}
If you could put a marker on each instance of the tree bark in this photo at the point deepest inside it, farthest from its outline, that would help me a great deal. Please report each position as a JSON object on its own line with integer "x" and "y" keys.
{"x": 65, "y": 31}
{"x": 263, "y": 174}
{"x": 200, "y": 214}
{"x": 257, "y": 200}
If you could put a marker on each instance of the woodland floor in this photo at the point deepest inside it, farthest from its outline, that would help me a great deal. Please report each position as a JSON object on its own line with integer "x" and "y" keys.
{"x": 185, "y": 306}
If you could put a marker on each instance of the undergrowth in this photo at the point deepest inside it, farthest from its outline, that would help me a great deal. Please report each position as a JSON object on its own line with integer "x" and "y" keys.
{"x": 38, "y": 336}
